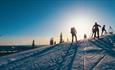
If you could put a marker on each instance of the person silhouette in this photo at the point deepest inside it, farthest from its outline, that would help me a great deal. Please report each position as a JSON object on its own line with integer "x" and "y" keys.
{"x": 110, "y": 30}
{"x": 85, "y": 36}
{"x": 93, "y": 32}
{"x": 96, "y": 31}
{"x": 73, "y": 33}
{"x": 103, "y": 30}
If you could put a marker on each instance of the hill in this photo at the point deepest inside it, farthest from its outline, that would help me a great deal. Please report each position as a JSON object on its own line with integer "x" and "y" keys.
{"x": 91, "y": 54}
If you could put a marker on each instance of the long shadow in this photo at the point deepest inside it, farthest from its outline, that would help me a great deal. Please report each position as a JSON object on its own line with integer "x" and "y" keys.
{"x": 73, "y": 46}
{"x": 105, "y": 46}
{"x": 93, "y": 51}
{"x": 40, "y": 53}
{"x": 112, "y": 37}
{"x": 76, "y": 48}
{"x": 98, "y": 61}
{"x": 108, "y": 66}
{"x": 107, "y": 41}
{"x": 69, "y": 50}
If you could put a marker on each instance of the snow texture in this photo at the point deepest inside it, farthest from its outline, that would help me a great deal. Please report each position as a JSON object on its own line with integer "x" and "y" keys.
{"x": 91, "y": 54}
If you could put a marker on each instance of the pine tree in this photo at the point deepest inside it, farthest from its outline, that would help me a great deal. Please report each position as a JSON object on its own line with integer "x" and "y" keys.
{"x": 61, "y": 38}
{"x": 33, "y": 43}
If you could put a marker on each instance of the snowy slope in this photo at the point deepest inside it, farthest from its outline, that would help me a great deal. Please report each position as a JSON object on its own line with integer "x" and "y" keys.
{"x": 56, "y": 57}
{"x": 98, "y": 54}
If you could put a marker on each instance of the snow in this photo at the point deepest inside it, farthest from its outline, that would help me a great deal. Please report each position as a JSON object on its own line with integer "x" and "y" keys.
{"x": 98, "y": 54}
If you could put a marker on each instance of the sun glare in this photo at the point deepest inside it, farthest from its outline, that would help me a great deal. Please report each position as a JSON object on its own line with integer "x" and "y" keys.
{"x": 81, "y": 18}
{"x": 82, "y": 23}
{"x": 83, "y": 26}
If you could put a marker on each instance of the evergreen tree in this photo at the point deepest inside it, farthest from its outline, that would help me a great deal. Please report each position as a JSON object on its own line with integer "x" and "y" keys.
{"x": 61, "y": 38}
{"x": 33, "y": 43}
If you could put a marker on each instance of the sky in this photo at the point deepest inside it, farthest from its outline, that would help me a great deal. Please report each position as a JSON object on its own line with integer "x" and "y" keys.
{"x": 21, "y": 21}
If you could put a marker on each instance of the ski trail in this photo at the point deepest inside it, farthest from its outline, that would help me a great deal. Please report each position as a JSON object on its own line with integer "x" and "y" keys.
{"x": 79, "y": 62}
{"x": 98, "y": 61}
{"x": 68, "y": 53}
{"x": 87, "y": 65}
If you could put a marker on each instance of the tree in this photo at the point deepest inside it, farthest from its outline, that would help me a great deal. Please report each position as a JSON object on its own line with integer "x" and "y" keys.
{"x": 51, "y": 41}
{"x": 33, "y": 43}
{"x": 61, "y": 38}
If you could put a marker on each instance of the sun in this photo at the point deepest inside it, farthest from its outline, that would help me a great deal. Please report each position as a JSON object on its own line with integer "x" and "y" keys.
{"x": 82, "y": 25}
{"x": 81, "y": 22}
{"x": 79, "y": 18}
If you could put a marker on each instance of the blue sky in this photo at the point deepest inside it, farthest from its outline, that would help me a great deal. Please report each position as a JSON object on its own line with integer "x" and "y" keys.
{"x": 30, "y": 19}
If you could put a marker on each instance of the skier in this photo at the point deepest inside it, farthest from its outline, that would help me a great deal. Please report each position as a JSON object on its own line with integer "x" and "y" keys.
{"x": 73, "y": 33}
{"x": 96, "y": 31}
{"x": 103, "y": 30}
{"x": 93, "y": 32}
{"x": 110, "y": 30}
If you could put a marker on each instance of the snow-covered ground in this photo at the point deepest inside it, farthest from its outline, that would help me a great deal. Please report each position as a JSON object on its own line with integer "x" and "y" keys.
{"x": 98, "y": 54}
{"x": 59, "y": 56}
